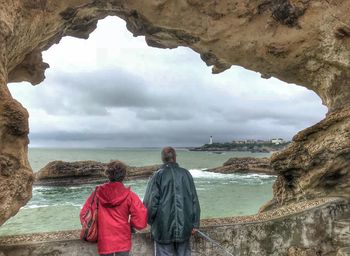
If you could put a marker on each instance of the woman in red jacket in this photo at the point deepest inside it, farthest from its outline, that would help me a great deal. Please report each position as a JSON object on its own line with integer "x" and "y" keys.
{"x": 120, "y": 209}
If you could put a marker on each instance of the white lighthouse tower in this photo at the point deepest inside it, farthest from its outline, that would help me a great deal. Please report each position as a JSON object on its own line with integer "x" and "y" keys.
{"x": 211, "y": 140}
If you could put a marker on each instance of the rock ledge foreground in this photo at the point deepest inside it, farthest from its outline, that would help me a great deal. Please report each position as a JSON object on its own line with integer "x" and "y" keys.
{"x": 299, "y": 229}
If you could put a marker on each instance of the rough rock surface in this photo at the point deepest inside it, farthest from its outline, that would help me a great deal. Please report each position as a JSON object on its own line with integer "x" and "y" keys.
{"x": 245, "y": 165}
{"x": 59, "y": 173}
{"x": 317, "y": 163}
{"x": 308, "y": 227}
{"x": 295, "y": 251}
{"x": 304, "y": 42}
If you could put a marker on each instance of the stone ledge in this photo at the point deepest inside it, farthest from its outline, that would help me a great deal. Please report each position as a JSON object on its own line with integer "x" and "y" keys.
{"x": 285, "y": 212}
{"x": 309, "y": 228}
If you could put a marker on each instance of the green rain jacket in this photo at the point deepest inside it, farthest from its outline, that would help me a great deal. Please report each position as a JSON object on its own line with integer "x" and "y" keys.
{"x": 172, "y": 204}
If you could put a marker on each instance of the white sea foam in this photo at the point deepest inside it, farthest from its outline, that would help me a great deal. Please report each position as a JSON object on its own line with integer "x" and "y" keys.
{"x": 35, "y": 206}
{"x": 41, "y": 188}
{"x": 202, "y": 174}
{"x": 75, "y": 188}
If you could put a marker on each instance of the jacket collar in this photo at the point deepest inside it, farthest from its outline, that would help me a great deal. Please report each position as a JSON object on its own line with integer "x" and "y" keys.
{"x": 170, "y": 165}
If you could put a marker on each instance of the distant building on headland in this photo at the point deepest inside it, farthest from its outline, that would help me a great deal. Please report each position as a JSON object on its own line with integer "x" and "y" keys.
{"x": 277, "y": 141}
{"x": 264, "y": 146}
{"x": 244, "y": 141}
{"x": 273, "y": 141}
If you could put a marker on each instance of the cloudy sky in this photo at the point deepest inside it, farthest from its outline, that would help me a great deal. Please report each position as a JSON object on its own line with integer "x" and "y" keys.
{"x": 112, "y": 90}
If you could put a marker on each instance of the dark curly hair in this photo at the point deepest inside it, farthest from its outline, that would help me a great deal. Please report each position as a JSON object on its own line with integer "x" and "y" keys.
{"x": 116, "y": 171}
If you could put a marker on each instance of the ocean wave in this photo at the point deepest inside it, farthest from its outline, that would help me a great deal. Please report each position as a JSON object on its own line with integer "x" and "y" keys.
{"x": 41, "y": 188}
{"x": 202, "y": 174}
{"x": 35, "y": 206}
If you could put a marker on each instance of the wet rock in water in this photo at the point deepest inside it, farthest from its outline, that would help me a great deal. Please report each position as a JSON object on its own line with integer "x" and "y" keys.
{"x": 141, "y": 172}
{"x": 245, "y": 165}
{"x": 60, "y": 173}
{"x": 60, "y": 169}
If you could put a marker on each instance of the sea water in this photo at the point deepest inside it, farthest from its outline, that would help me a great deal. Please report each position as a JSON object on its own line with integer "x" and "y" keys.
{"x": 220, "y": 195}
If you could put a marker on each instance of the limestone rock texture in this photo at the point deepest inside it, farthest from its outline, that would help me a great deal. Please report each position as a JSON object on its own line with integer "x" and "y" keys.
{"x": 317, "y": 163}
{"x": 306, "y": 42}
{"x": 294, "y": 251}
{"x": 245, "y": 165}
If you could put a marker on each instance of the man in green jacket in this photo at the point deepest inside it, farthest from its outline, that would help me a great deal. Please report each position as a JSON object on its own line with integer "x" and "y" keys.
{"x": 173, "y": 207}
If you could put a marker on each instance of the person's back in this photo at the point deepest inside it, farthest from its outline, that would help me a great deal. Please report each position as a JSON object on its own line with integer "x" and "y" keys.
{"x": 119, "y": 210}
{"x": 173, "y": 207}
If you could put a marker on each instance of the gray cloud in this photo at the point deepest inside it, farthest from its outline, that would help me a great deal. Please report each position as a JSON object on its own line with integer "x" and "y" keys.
{"x": 175, "y": 114}
{"x": 153, "y": 115}
{"x": 92, "y": 93}
{"x": 162, "y": 133}
{"x": 152, "y": 97}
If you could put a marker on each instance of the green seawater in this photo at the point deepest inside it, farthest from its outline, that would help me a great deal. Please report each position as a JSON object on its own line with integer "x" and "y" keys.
{"x": 220, "y": 195}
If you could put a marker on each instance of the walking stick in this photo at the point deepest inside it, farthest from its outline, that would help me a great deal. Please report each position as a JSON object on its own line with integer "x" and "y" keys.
{"x": 213, "y": 242}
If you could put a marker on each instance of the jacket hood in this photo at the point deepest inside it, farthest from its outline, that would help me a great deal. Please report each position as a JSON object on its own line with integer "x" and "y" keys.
{"x": 112, "y": 194}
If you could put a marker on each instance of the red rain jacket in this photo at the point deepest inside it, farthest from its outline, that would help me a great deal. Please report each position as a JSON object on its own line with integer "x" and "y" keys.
{"x": 119, "y": 210}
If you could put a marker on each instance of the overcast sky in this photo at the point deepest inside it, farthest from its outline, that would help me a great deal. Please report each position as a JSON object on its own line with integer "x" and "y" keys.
{"x": 113, "y": 90}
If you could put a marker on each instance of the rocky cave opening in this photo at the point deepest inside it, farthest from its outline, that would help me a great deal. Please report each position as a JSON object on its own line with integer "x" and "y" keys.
{"x": 74, "y": 81}
{"x": 304, "y": 42}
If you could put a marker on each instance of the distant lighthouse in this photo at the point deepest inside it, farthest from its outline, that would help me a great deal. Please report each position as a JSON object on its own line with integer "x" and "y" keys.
{"x": 211, "y": 140}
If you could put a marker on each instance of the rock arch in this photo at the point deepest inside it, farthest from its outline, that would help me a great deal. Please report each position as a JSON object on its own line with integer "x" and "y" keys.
{"x": 304, "y": 42}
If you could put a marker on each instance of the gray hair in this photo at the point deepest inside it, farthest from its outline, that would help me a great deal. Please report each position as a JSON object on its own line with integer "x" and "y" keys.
{"x": 168, "y": 155}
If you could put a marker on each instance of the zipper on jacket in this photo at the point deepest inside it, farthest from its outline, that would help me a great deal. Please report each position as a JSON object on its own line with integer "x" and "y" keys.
{"x": 174, "y": 187}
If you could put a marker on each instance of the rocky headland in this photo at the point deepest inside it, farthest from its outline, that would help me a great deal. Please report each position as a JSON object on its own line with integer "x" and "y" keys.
{"x": 245, "y": 165}
{"x": 254, "y": 147}
{"x": 60, "y": 173}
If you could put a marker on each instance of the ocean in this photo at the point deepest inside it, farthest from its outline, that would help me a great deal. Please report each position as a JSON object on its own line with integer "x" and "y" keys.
{"x": 220, "y": 195}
